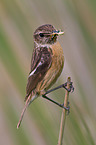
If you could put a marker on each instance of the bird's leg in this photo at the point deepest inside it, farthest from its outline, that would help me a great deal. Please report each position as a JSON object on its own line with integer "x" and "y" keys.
{"x": 61, "y": 105}
{"x": 62, "y": 86}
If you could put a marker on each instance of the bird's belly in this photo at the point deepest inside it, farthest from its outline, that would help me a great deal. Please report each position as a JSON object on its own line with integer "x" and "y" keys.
{"x": 55, "y": 69}
{"x": 52, "y": 75}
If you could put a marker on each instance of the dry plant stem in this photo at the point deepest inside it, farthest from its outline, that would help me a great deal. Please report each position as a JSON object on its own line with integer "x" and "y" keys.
{"x": 63, "y": 116}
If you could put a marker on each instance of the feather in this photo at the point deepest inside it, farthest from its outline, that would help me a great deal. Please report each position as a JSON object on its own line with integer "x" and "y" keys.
{"x": 41, "y": 61}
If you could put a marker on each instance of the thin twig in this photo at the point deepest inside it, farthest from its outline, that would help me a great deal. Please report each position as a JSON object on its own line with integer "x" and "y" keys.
{"x": 63, "y": 116}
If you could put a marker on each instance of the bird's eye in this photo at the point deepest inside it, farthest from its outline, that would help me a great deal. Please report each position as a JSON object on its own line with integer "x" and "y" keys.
{"x": 41, "y": 35}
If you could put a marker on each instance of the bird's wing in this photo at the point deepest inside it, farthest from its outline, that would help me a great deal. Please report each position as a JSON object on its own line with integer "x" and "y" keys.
{"x": 41, "y": 61}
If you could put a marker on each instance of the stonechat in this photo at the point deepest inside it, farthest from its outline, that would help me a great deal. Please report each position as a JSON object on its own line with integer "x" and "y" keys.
{"x": 46, "y": 64}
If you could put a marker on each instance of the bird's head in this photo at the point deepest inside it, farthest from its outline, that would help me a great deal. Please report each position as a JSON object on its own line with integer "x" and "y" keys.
{"x": 46, "y": 34}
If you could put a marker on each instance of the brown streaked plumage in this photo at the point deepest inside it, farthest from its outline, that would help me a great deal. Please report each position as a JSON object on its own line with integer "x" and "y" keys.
{"x": 46, "y": 64}
{"x": 55, "y": 70}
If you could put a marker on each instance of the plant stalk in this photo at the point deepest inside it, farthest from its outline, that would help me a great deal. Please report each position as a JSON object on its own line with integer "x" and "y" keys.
{"x": 63, "y": 116}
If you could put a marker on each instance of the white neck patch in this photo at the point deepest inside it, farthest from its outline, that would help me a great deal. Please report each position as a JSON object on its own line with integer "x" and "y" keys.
{"x": 42, "y": 45}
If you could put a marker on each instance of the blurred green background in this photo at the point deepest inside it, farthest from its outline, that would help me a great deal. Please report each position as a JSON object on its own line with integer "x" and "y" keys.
{"x": 40, "y": 126}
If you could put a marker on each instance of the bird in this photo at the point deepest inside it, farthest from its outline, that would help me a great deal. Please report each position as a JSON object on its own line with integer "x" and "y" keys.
{"x": 46, "y": 64}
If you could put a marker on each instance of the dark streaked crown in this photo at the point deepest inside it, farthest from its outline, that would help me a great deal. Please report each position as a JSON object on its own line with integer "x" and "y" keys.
{"x": 45, "y": 34}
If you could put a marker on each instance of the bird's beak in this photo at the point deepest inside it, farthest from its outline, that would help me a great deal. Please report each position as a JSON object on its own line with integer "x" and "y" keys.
{"x": 58, "y": 32}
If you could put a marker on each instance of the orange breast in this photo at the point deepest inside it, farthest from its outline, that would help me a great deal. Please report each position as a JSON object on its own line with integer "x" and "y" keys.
{"x": 55, "y": 70}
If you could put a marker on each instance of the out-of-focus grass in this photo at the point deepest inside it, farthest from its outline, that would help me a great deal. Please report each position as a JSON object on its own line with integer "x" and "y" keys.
{"x": 18, "y": 20}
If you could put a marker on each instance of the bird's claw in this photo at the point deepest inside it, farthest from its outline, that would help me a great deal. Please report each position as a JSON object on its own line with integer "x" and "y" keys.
{"x": 68, "y": 111}
{"x": 71, "y": 89}
{"x": 66, "y": 108}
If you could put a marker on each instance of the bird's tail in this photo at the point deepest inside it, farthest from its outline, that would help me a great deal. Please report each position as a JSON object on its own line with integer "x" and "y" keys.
{"x": 28, "y": 102}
